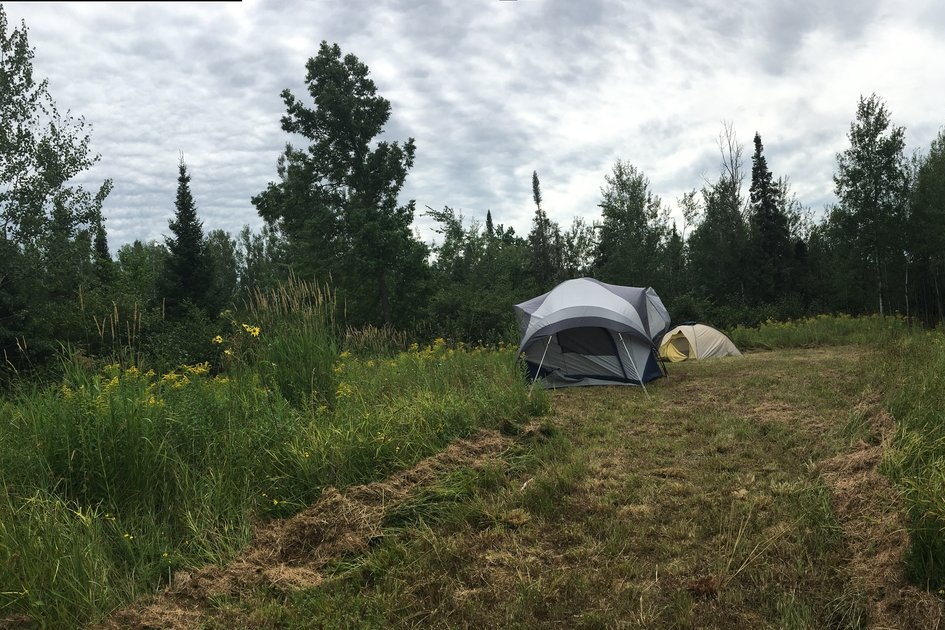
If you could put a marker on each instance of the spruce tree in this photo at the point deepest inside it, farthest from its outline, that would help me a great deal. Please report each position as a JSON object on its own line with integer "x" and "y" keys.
{"x": 545, "y": 242}
{"x": 770, "y": 246}
{"x": 104, "y": 266}
{"x": 187, "y": 273}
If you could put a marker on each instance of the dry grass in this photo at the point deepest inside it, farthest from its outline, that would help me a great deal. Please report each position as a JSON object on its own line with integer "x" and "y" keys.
{"x": 290, "y": 554}
{"x": 874, "y": 525}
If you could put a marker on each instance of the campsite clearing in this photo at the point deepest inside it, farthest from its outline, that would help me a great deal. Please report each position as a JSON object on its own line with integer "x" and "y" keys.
{"x": 742, "y": 494}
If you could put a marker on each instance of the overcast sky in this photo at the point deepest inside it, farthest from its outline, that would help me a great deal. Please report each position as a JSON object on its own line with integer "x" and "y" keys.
{"x": 490, "y": 89}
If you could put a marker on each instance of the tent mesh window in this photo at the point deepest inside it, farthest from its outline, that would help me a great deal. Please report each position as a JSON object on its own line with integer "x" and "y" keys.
{"x": 593, "y": 341}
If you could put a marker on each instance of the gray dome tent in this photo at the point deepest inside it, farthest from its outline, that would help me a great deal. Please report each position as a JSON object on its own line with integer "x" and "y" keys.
{"x": 586, "y": 332}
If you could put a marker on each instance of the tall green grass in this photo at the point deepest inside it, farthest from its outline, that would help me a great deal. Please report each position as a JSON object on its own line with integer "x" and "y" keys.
{"x": 909, "y": 369}
{"x": 822, "y": 330}
{"x": 118, "y": 477}
{"x": 297, "y": 322}
{"x": 912, "y": 373}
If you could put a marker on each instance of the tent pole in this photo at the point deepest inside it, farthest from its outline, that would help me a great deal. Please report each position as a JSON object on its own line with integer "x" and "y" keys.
{"x": 629, "y": 356}
{"x": 538, "y": 371}
{"x": 660, "y": 360}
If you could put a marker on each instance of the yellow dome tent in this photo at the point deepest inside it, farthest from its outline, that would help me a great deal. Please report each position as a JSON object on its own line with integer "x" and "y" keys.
{"x": 696, "y": 341}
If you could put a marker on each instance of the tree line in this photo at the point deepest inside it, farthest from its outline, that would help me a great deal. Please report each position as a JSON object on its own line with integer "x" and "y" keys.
{"x": 746, "y": 250}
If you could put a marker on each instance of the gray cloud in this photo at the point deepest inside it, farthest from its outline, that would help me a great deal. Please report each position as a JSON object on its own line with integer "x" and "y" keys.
{"x": 490, "y": 91}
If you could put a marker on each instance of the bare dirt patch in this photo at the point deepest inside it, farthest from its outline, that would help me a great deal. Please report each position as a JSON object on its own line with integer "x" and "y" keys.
{"x": 290, "y": 554}
{"x": 872, "y": 517}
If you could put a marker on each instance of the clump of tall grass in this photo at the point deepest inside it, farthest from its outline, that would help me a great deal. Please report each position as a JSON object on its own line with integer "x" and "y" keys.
{"x": 115, "y": 478}
{"x": 820, "y": 330}
{"x": 912, "y": 373}
{"x": 297, "y": 319}
{"x": 371, "y": 341}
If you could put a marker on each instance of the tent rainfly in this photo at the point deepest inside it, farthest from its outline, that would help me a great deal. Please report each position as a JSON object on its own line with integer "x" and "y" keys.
{"x": 586, "y": 332}
{"x": 696, "y": 341}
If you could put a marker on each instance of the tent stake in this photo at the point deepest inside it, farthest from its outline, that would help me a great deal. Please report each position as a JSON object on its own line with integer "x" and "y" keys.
{"x": 639, "y": 376}
{"x": 538, "y": 371}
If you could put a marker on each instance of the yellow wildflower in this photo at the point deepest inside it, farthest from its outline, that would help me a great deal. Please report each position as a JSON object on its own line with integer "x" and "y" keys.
{"x": 197, "y": 369}
{"x": 344, "y": 390}
{"x": 222, "y": 380}
{"x": 67, "y": 391}
{"x": 370, "y": 363}
{"x": 132, "y": 372}
{"x": 228, "y": 352}
{"x": 218, "y": 339}
{"x": 110, "y": 385}
{"x": 149, "y": 373}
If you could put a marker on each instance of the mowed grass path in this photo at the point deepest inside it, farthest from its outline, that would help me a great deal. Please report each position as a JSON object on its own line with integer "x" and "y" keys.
{"x": 699, "y": 506}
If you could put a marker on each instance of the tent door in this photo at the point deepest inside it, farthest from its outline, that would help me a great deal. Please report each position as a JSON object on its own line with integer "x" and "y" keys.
{"x": 681, "y": 344}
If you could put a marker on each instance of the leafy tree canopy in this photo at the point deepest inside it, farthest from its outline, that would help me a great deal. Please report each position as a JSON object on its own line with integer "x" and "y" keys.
{"x": 337, "y": 199}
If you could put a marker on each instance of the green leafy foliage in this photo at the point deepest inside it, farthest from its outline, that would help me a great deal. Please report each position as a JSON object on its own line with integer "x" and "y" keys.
{"x": 926, "y": 237}
{"x": 337, "y": 201}
{"x": 871, "y": 185}
{"x": 46, "y": 221}
{"x": 480, "y": 275}
{"x": 633, "y": 233}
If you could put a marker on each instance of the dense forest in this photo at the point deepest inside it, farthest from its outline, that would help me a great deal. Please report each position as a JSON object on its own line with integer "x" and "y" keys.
{"x": 747, "y": 250}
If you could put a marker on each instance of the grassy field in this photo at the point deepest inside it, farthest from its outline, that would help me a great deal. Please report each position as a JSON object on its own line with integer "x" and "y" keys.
{"x": 317, "y": 479}
{"x": 120, "y": 477}
{"x": 742, "y": 494}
